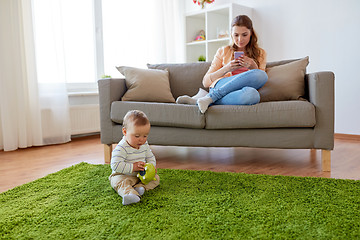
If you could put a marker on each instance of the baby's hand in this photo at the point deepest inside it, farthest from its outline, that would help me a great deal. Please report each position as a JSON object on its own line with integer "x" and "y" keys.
{"x": 138, "y": 166}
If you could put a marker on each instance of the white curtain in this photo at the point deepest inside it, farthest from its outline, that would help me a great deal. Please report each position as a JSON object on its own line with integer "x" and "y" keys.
{"x": 31, "y": 113}
{"x": 34, "y": 107}
{"x": 50, "y": 61}
{"x": 141, "y": 32}
{"x": 171, "y": 29}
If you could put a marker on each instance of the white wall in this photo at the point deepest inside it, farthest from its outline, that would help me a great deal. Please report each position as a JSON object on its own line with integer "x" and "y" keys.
{"x": 327, "y": 31}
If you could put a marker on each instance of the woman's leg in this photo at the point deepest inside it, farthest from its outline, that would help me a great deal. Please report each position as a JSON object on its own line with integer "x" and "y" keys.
{"x": 253, "y": 78}
{"x": 245, "y": 96}
{"x": 185, "y": 99}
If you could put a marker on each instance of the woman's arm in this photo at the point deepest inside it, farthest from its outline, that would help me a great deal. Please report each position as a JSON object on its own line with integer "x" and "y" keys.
{"x": 217, "y": 69}
{"x": 209, "y": 78}
{"x": 214, "y": 70}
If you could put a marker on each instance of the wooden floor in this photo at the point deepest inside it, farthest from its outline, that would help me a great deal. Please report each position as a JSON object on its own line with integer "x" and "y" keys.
{"x": 25, "y": 165}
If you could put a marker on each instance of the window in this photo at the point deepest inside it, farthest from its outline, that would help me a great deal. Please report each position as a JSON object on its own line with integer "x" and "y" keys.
{"x": 132, "y": 34}
{"x": 64, "y": 40}
{"x": 78, "y": 41}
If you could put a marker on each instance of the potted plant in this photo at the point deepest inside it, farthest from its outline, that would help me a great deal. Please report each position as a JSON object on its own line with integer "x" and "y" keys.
{"x": 201, "y": 58}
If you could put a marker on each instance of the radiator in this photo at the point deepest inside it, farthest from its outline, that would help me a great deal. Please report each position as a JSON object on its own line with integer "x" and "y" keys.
{"x": 84, "y": 119}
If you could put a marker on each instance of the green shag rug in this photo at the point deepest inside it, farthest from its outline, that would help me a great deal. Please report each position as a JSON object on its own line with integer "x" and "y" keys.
{"x": 78, "y": 203}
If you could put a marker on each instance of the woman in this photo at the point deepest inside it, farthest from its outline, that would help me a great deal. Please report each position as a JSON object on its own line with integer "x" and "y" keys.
{"x": 235, "y": 81}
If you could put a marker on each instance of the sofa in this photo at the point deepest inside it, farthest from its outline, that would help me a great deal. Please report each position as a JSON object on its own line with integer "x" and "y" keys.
{"x": 302, "y": 121}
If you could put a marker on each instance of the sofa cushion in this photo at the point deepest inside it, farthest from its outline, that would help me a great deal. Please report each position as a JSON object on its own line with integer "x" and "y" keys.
{"x": 279, "y": 114}
{"x": 286, "y": 81}
{"x": 148, "y": 85}
{"x": 185, "y": 78}
{"x": 161, "y": 114}
{"x": 281, "y": 62}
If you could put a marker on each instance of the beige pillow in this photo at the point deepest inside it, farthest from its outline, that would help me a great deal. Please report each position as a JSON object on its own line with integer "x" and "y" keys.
{"x": 285, "y": 82}
{"x": 146, "y": 85}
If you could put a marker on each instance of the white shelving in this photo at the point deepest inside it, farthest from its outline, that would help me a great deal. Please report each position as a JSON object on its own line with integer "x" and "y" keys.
{"x": 213, "y": 21}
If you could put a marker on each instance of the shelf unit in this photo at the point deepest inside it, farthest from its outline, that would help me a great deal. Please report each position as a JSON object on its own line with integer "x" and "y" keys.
{"x": 213, "y": 21}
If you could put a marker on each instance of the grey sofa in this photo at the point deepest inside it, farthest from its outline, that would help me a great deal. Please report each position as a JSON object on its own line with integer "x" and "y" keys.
{"x": 296, "y": 124}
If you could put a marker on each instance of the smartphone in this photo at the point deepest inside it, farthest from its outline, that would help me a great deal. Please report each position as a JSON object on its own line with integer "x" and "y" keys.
{"x": 238, "y": 54}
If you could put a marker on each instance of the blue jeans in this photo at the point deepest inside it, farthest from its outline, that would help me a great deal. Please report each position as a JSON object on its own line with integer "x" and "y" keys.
{"x": 240, "y": 89}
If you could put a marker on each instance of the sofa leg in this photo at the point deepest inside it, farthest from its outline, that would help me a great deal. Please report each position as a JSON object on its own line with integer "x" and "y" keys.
{"x": 107, "y": 152}
{"x": 326, "y": 160}
{"x": 313, "y": 155}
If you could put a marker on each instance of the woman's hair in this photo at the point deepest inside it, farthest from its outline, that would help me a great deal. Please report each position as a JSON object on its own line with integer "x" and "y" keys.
{"x": 135, "y": 118}
{"x": 252, "y": 49}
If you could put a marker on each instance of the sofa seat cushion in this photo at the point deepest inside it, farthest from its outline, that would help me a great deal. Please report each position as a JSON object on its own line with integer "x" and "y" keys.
{"x": 279, "y": 114}
{"x": 161, "y": 114}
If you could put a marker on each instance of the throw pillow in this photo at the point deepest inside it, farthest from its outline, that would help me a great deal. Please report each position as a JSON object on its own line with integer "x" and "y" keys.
{"x": 285, "y": 82}
{"x": 185, "y": 78}
{"x": 146, "y": 85}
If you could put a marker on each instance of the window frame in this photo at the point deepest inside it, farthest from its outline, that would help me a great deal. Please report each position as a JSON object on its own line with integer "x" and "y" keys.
{"x": 91, "y": 86}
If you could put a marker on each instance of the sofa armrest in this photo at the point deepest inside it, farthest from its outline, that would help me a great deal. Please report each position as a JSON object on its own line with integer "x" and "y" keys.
{"x": 321, "y": 94}
{"x": 110, "y": 90}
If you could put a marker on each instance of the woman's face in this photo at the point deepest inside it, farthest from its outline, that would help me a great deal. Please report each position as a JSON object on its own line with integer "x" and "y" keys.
{"x": 241, "y": 36}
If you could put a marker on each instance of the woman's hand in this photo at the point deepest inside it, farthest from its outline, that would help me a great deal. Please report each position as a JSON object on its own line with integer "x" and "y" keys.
{"x": 246, "y": 62}
{"x": 242, "y": 61}
{"x": 233, "y": 65}
{"x": 138, "y": 166}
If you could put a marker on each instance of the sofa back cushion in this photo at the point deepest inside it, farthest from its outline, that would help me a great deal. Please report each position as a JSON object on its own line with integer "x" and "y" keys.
{"x": 185, "y": 78}
{"x": 281, "y": 62}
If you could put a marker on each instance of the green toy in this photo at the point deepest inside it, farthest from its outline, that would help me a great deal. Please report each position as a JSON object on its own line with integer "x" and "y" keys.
{"x": 148, "y": 174}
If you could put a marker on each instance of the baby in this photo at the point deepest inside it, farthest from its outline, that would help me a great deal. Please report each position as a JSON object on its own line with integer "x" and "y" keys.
{"x": 129, "y": 157}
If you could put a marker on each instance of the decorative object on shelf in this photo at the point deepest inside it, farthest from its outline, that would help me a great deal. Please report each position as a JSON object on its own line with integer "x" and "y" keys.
{"x": 200, "y": 36}
{"x": 202, "y": 58}
{"x": 202, "y": 2}
{"x": 216, "y": 22}
{"x": 223, "y": 34}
